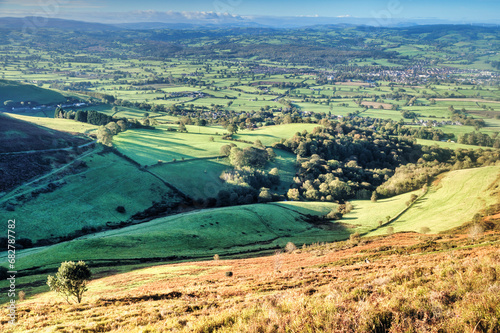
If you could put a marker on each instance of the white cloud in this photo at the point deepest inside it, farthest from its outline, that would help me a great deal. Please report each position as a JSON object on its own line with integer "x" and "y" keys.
{"x": 165, "y": 17}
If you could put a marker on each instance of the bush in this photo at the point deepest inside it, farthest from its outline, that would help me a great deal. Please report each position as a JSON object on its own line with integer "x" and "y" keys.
{"x": 120, "y": 209}
{"x": 425, "y": 230}
{"x": 290, "y": 247}
{"x": 355, "y": 237}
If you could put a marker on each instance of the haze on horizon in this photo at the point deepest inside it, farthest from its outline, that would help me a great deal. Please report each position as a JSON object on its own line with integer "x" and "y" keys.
{"x": 121, "y": 11}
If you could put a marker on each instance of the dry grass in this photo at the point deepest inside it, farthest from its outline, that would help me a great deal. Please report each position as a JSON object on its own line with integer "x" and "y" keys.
{"x": 399, "y": 283}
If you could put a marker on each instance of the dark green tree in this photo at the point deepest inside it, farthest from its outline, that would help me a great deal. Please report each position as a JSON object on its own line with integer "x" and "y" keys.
{"x": 232, "y": 128}
{"x": 182, "y": 128}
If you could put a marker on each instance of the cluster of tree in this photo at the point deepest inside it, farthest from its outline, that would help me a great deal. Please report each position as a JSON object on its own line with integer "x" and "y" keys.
{"x": 247, "y": 157}
{"x": 409, "y": 177}
{"x": 427, "y": 133}
{"x": 255, "y": 178}
{"x": 462, "y": 117}
{"x": 333, "y": 180}
{"x": 343, "y": 161}
{"x": 495, "y": 64}
{"x": 480, "y": 139}
{"x": 91, "y": 117}
{"x": 408, "y": 114}
{"x": 434, "y": 161}
{"x": 109, "y": 125}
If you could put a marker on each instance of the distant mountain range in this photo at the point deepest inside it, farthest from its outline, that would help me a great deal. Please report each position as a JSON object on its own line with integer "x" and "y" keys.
{"x": 205, "y": 21}
{"x": 33, "y": 22}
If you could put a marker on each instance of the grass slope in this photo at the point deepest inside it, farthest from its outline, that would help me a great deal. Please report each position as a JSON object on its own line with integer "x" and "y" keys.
{"x": 63, "y": 125}
{"x": 87, "y": 199}
{"x": 401, "y": 283}
{"x": 19, "y": 135}
{"x": 20, "y": 92}
{"x": 450, "y": 202}
{"x": 147, "y": 147}
{"x": 195, "y": 234}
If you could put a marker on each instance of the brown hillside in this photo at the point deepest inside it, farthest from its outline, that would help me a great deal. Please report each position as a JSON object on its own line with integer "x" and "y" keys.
{"x": 400, "y": 283}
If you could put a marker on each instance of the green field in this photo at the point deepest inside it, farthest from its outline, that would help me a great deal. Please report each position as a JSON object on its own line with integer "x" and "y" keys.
{"x": 64, "y": 125}
{"x": 147, "y": 147}
{"x": 20, "y": 92}
{"x": 451, "y": 201}
{"x": 201, "y": 234}
{"x": 271, "y": 134}
{"x": 87, "y": 200}
{"x": 450, "y": 145}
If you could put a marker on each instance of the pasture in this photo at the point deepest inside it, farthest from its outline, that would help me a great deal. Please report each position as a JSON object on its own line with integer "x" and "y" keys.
{"x": 88, "y": 199}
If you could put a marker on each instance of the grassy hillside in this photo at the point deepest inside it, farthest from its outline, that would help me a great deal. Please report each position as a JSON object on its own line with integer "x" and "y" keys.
{"x": 85, "y": 199}
{"x": 147, "y": 147}
{"x": 198, "y": 151}
{"x": 63, "y": 125}
{"x": 271, "y": 134}
{"x": 452, "y": 200}
{"x": 28, "y": 151}
{"x": 20, "y": 92}
{"x": 449, "y": 202}
{"x": 196, "y": 234}
{"x": 400, "y": 283}
{"x": 19, "y": 135}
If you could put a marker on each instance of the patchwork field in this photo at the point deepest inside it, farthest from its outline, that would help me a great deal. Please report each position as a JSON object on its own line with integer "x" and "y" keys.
{"x": 386, "y": 99}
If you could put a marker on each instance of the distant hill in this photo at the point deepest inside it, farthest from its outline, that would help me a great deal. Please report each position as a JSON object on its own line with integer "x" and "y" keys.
{"x": 182, "y": 26}
{"x": 43, "y": 22}
{"x": 17, "y": 92}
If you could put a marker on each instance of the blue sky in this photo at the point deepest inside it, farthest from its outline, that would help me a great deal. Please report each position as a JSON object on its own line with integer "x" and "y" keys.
{"x": 456, "y": 10}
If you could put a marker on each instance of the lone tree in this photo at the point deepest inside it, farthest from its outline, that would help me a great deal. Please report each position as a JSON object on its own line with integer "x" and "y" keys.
{"x": 70, "y": 280}
{"x": 232, "y": 128}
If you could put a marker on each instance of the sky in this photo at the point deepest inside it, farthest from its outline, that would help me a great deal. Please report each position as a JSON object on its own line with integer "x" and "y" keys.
{"x": 116, "y": 10}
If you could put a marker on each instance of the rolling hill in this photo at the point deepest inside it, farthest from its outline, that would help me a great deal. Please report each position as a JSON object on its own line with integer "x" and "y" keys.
{"x": 17, "y": 92}
{"x": 261, "y": 228}
{"x": 399, "y": 283}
